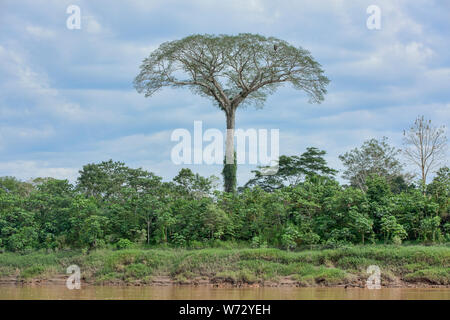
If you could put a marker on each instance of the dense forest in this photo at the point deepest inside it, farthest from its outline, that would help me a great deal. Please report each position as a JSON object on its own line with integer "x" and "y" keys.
{"x": 302, "y": 205}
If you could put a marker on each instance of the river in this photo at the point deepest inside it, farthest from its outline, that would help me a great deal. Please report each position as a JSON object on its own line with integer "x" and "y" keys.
{"x": 56, "y": 292}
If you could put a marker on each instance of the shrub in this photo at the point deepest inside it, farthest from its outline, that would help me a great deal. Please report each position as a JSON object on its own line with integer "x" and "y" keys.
{"x": 32, "y": 271}
{"x": 137, "y": 270}
{"x": 124, "y": 244}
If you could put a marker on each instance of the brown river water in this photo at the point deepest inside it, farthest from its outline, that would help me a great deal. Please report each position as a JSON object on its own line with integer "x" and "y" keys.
{"x": 56, "y": 292}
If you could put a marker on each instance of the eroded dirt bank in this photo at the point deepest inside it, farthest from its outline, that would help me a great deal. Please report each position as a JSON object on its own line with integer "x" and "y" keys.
{"x": 60, "y": 280}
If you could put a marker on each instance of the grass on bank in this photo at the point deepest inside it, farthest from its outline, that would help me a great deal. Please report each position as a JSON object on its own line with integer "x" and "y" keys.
{"x": 425, "y": 264}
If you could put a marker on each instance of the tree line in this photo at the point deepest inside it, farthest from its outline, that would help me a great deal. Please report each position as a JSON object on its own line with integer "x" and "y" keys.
{"x": 302, "y": 204}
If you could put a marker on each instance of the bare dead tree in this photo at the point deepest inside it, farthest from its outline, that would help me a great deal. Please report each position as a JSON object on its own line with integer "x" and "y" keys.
{"x": 425, "y": 145}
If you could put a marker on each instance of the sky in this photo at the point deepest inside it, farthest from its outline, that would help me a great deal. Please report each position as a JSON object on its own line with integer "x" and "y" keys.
{"x": 67, "y": 97}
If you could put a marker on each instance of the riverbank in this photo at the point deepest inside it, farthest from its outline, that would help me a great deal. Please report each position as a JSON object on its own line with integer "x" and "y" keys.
{"x": 401, "y": 266}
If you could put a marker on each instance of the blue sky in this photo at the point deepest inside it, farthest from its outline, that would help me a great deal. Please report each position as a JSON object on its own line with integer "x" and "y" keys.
{"x": 67, "y": 99}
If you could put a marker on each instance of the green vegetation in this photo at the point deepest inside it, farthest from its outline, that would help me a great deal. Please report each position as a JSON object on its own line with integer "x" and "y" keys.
{"x": 115, "y": 206}
{"x": 299, "y": 226}
{"x": 429, "y": 265}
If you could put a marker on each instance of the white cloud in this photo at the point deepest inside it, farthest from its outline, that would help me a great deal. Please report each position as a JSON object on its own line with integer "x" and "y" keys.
{"x": 140, "y": 146}
{"x": 40, "y": 32}
{"x": 26, "y": 170}
{"x": 11, "y": 133}
{"x": 389, "y": 61}
{"x": 46, "y": 101}
{"x": 92, "y": 25}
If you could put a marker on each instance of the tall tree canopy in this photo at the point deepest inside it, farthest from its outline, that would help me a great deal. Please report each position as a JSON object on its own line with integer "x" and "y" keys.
{"x": 292, "y": 170}
{"x": 374, "y": 157}
{"x": 232, "y": 71}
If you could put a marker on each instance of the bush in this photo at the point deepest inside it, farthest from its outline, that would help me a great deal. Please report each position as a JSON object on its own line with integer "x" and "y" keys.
{"x": 194, "y": 244}
{"x": 436, "y": 275}
{"x": 429, "y": 228}
{"x": 179, "y": 240}
{"x": 137, "y": 270}
{"x": 32, "y": 271}
{"x": 290, "y": 237}
{"x": 396, "y": 240}
{"x": 257, "y": 242}
{"x": 124, "y": 244}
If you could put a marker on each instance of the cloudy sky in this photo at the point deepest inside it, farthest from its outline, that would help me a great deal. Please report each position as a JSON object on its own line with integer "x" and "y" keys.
{"x": 67, "y": 99}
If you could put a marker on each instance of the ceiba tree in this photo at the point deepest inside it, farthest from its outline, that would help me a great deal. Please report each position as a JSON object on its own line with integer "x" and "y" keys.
{"x": 232, "y": 71}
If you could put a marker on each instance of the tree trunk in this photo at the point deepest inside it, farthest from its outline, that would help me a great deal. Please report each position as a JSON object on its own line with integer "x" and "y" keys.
{"x": 424, "y": 177}
{"x": 424, "y": 180}
{"x": 229, "y": 154}
{"x": 148, "y": 232}
{"x": 229, "y": 169}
